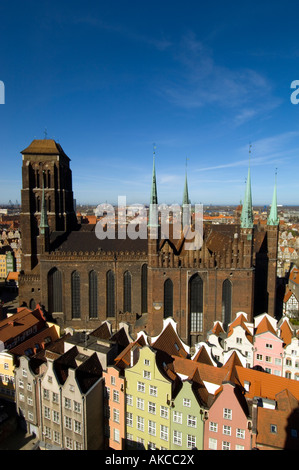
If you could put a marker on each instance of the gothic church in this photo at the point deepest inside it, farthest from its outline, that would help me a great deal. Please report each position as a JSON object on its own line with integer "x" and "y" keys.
{"x": 80, "y": 281}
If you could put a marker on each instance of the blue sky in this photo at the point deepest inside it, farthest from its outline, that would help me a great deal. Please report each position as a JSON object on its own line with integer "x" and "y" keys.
{"x": 108, "y": 79}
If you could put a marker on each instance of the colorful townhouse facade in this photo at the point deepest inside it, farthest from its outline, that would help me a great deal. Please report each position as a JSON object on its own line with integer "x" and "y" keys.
{"x": 155, "y": 395}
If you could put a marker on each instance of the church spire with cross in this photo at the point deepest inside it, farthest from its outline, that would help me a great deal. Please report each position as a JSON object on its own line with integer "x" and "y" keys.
{"x": 273, "y": 216}
{"x": 153, "y": 209}
{"x": 247, "y": 214}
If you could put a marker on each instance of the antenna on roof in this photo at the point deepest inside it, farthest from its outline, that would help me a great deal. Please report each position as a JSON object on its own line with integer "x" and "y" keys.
{"x": 45, "y": 133}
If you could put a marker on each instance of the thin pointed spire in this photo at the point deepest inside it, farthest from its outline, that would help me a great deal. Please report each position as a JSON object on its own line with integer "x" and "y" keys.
{"x": 273, "y": 216}
{"x": 44, "y": 216}
{"x": 247, "y": 215}
{"x": 153, "y": 212}
{"x": 186, "y": 199}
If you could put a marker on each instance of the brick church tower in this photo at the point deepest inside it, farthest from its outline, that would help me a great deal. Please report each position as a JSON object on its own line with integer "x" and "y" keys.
{"x": 46, "y": 192}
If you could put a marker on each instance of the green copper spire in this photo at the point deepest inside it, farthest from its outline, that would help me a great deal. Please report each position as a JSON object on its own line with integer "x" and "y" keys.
{"x": 153, "y": 209}
{"x": 43, "y": 217}
{"x": 273, "y": 216}
{"x": 186, "y": 193}
{"x": 247, "y": 215}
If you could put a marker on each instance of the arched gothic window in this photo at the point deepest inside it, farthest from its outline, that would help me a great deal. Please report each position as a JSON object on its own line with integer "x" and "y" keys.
{"x": 127, "y": 292}
{"x": 75, "y": 287}
{"x": 168, "y": 298}
{"x": 93, "y": 294}
{"x": 144, "y": 288}
{"x": 55, "y": 291}
{"x": 226, "y": 303}
{"x": 110, "y": 294}
{"x": 196, "y": 304}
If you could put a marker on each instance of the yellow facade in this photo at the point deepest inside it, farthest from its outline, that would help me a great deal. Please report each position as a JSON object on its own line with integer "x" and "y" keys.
{"x": 148, "y": 398}
{"x": 7, "y": 383}
{"x": 2, "y": 266}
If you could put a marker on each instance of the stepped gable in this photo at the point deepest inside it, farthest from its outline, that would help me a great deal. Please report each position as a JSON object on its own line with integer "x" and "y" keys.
{"x": 240, "y": 321}
{"x": 85, "y": 240}
{"x": 89, "y": 372}
{"x": 202, "y": 356}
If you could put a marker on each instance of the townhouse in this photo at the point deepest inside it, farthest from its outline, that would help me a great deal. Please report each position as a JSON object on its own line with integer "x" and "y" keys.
{"x": 268, "y": 346}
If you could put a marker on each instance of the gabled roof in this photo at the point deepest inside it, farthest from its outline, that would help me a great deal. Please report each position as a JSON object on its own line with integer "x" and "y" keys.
{"x": 240, "y": 320}
{"x": 286, "y": 332}
{"x": 217, "y": 329}
{"x": 264, "y": 326}
{"x": 169, "y": 342}
{"x": 202, "y": 356}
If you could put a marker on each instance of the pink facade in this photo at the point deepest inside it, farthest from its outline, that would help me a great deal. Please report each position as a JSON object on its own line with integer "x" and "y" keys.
{"x": 268, "y": 352}
{"x": 227, "y": 425}
{"x": 114, "y": 409}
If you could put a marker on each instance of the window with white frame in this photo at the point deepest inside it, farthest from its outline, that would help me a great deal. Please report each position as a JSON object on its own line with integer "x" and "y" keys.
{"x": 115, "y": 415}
{"x": 56, "y": 416}
{"x": 191, "y": 421}
{"x": 177, "y": 417}
{"x": 212, "y": 443}
{"x": 140, "y": 423}
{"x": 213, "y": 427}
{"x": 55, "y": 397}
{"x": 77, "y": 407}
{"x": 116, "y": 396}
{"x": 67, "y": 403}
{"x": 112, "y": 380}
{"x": 225, "y": 445}
{"x": 140, "y": 403}
{"x": 177, "y": 437}
{"x": 164, "y": 412}
{"x": 240, "y": 433}
{"x": 151, "y": 427}
{"x": 153, "y": 391}
{"x": 68, "y": 422}
{"x": 77, "y": 426}
{"x": 147, "y": 374}
{"x": 140, "y": 387}
{"x": 69, "y": 443}
{"x": 129, "y": 419}
{"x": 163, "y": 432}
{"x": 227, "y": 413}
{"x": 227, "y": 430}
{"x": 187, "y": 402}
{"x": 129, "y": 400}
{"x": 152, "y": 407}
{"x": 116, "y": 435}
{"x": 47, "y": 412}
{"x": 191, "y": 441}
